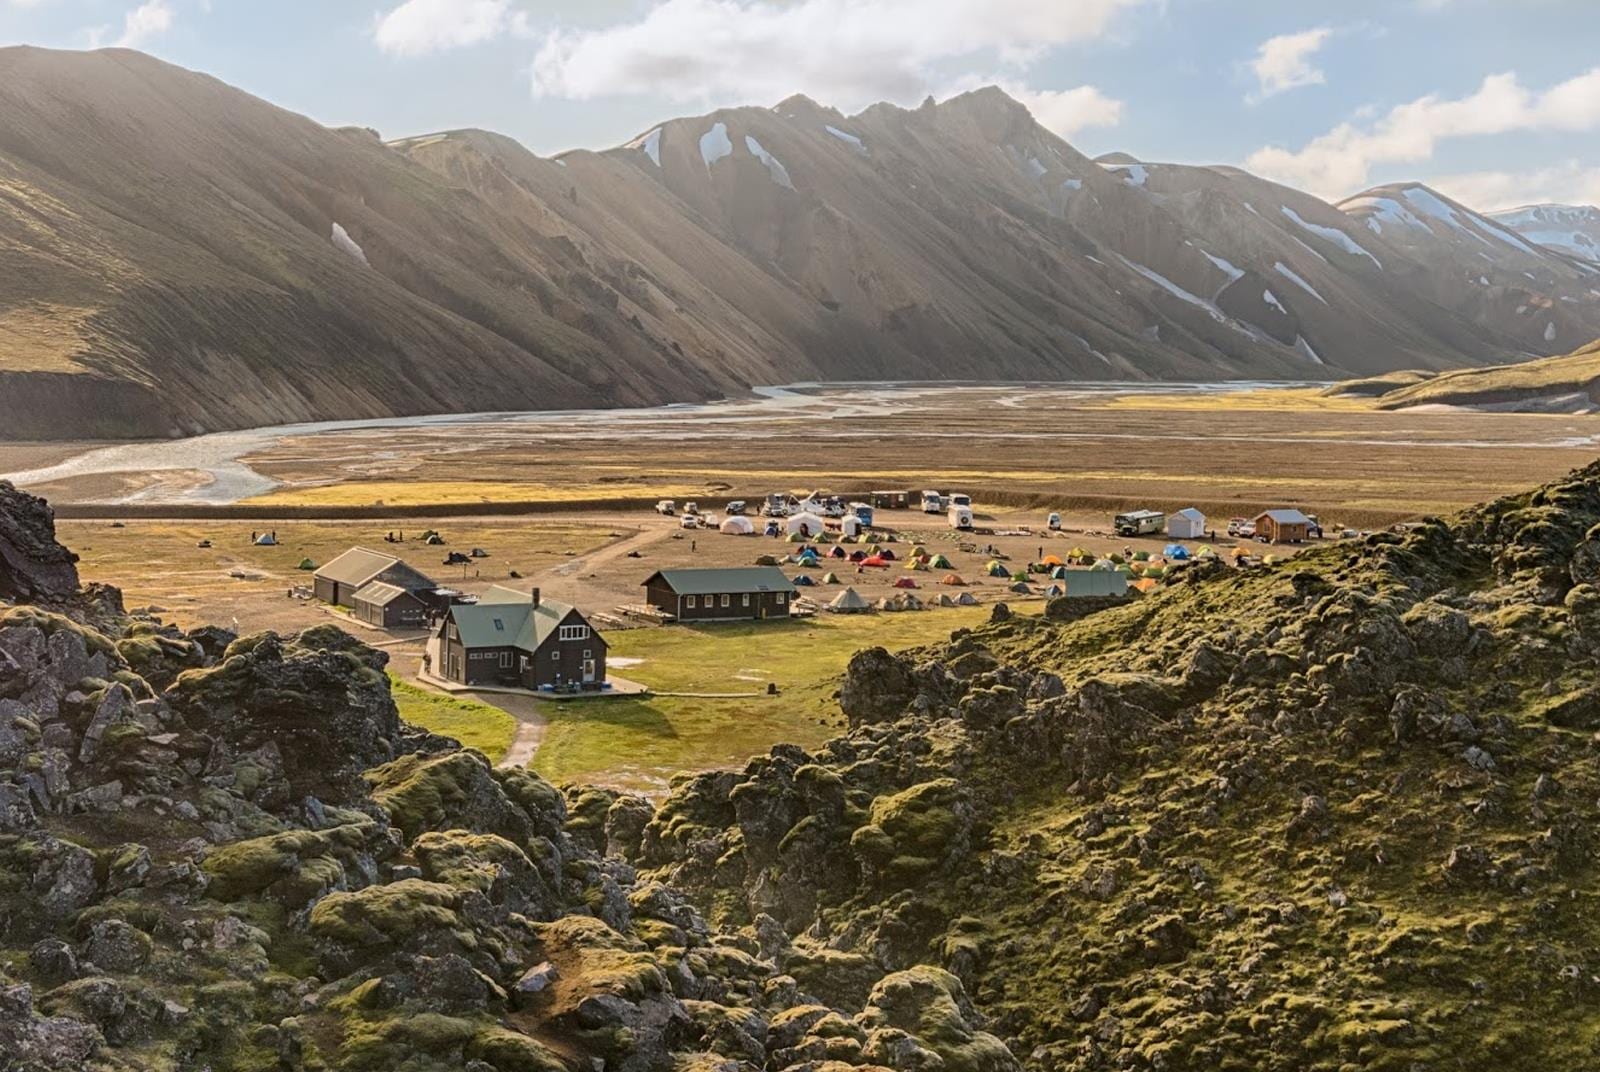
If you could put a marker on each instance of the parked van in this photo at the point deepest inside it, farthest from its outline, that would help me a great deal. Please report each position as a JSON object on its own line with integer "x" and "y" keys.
{"x": 1053, "y": 522}
{"x": 932, "y": 502}
{"x": 1140, "y": 523}
{"x": 666, "y": 507}
{"x": 961, "y": 517}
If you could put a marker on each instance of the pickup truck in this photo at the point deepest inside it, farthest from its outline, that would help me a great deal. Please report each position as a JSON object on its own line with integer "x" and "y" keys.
{"x": 666, "y": 508}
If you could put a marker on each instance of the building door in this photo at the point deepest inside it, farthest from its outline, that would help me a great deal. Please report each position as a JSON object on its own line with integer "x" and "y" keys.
{"x": 588, "y": 671}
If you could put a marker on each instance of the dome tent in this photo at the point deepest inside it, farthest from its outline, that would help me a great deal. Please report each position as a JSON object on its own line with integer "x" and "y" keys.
{"x": 738, "y": 525}
{"x": 805, "y": 525}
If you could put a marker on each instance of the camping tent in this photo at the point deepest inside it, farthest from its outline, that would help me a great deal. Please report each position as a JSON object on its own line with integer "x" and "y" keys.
{"x": 885, "y": 553}
{"x": 858, "y": 555}
{"x": 953, "y": 580}
{"x": 738, "y": 525}
{"x": 1104, "y": 564}
{"x": 850, "y": 525}
{"x": 805, "y": 525}
{"x": 1055, "y": 591}
{"x": 1176, "y": 551}
{"x": 1141, "y": 556}
{"x": 1206, "y": 551}
{"x": 894, "y": 604}
{"x": 947, "y": 600}
{"x": 916, "y": 564}
{"x": 830, "y": 578}
{"x": 1145, "y": 584}
{"x": 306, "y": 564}
{"x": 905, "y": 582}
{"x": 849, "y": 602}
{"x": 995, "y": 569}
{"x": 940, "y": 562}
{"x": 1051, "y": 560}
{"x": 876, "y": 562}
{"x": 1186, "y": 524}
{"x": 1059, "y": 573}
{"x": 766, "y": 560}
{"x": 1020, "y": 586}
{"x": 967, "y": 599}
{"x": 919, "y": 551}
{"x": 266, "y": 539}
{"x": 803, "y": 581}
{"x": 797, "y": 537}
{"x": 838, "y": 552}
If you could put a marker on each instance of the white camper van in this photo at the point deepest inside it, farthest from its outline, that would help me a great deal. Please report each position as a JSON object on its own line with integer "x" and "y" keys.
{"x": 961, "y": 517}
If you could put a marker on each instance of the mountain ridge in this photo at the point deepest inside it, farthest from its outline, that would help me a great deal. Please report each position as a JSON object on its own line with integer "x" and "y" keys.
{"x": 192, "y": 258}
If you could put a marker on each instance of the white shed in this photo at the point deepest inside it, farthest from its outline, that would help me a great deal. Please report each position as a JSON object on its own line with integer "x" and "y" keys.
{"x": 850, "y": 525}
{"x": 1186, "y": 524}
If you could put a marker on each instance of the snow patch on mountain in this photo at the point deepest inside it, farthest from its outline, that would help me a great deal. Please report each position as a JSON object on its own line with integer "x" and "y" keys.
{"x": 1272, "y": 300}
{"x": 1290, "y": 274}
{"x": 715, "y": 144}
{"x": 1550, "y": 332}
{"x": 1306, "y": 350}
{"x": 345, "y": 244}
{"x": 779, "y": 173}
{"x": 1193, "y": 299}
{"x": 850, "y": 139}
{"x": 649, "y": 144}
{"x": 1332, "y": 234}
{"x": 1135, "y": 174}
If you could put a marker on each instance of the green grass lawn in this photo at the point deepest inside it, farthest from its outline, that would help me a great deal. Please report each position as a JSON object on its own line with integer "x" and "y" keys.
{"x": 640, "y": 744}
{"x": 475, "y": 725}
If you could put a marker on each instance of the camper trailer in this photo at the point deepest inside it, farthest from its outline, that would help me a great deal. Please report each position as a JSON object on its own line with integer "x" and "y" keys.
{"x": 1053, "y": 522}
{"x": 932, "y": 502}
{"x": 961, "y": 517}
{"x": 1140, "y": 523}
{"x": 863, "y": 512}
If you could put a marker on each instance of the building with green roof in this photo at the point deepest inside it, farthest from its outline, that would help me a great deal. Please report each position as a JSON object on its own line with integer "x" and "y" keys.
{"x": 516, "y": 639}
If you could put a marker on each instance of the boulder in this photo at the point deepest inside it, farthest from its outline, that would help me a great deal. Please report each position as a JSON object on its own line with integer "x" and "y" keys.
{"x": 34, "y": 568}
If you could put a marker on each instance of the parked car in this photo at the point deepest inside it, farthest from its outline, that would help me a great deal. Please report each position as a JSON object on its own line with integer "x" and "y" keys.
{"x": 691, "y": 508}
{"x": 690, "y": 521}
{"x": 1236, "y": 525}
{"x": 666, "y": 507}
{"x": 735, "y": 508}
{"x": 1247, "y": 530}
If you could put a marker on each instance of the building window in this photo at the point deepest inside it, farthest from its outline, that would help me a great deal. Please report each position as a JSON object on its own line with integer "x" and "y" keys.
{"x": 574, "y": 632}
{"x": 726, "y": 601}
{"x": 779, "y": 597}
{"x": 499, "y": 625}
{"x": 746, "y": 598}
{"x": 555, "y": 656}
{"x": 587, "y": 655}
{"x": 689, "y": 602}
{"x": 505, "y": 660}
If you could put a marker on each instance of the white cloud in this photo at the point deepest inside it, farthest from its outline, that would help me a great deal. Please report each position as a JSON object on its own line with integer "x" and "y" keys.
{"x": 1341, "y": 161}
{"x": 847, "y": 52}
{"x": 1284, "y": 62}
{"x": 1068, "y": 111}
{"x": 1571, "y": 183}
{"x": 419, "y": 27}
{"x": 149, "y": 20}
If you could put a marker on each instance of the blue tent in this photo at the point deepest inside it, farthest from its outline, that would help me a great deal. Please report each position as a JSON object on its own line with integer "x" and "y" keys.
{"x": 1177, "y": 551}
{"x": 803, "y": 581}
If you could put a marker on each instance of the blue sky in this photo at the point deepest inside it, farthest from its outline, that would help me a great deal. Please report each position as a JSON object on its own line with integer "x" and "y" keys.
{"x": 1495, "y": 101}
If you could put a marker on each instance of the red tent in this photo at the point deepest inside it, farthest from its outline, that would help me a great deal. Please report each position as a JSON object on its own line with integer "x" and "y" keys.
{"x": 876, "y": 560}
{"x": 905, "y": 582}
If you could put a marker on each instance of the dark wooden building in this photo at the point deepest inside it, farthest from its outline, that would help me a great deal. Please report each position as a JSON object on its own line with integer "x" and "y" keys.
{"x": 340, "y": 580}
{"x": 518, "y": 640}
{"x": 1283, "y": 526}
{"x": 748, "y": 593}
{"x": 389, "y": 606}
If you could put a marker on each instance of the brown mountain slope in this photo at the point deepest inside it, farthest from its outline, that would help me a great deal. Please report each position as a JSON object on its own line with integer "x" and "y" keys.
{"x": 178, "y": 256}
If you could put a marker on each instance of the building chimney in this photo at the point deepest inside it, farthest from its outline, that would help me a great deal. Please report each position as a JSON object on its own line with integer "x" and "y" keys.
{"x": 536, "y": 597}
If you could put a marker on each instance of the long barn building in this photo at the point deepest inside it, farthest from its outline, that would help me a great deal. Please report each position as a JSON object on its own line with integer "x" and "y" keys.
{"x": 746, "y": 593}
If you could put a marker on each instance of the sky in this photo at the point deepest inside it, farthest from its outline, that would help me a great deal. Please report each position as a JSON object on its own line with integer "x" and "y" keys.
{"x": 1494, "y": 102}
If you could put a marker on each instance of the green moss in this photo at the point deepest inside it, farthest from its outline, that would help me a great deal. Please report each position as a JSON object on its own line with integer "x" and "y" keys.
{"x": 293, "y": 866}
{"x": 424, "y": 793}
{"x": 378, "y": 919}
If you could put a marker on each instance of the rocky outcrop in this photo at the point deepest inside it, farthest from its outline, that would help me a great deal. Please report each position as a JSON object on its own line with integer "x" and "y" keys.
{"x": 34, "y": 568}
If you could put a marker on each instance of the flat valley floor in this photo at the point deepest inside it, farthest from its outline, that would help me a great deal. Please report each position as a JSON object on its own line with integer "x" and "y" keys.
{"x": 561, "y": 501}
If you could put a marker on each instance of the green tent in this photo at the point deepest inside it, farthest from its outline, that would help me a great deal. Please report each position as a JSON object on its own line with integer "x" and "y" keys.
{"x": 306, "y": 564}
{"x": 940, "y": 562}
{"x": 830, "y": 578}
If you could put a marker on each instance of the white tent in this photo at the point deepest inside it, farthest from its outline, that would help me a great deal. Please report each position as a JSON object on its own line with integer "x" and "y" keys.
{"x": 1186, "y": 524}
{"x": 806, "y": 524}
{"x": 850, "y": 525}
{"x": 849, "y": 602}
{"x": 738, "y": 525}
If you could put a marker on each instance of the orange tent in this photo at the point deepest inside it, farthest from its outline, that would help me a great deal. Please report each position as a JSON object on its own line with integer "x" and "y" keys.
{"x": 953, "y": 580}
{"x": 1051, "y": 560}
{"x": 1144, "y": 584}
